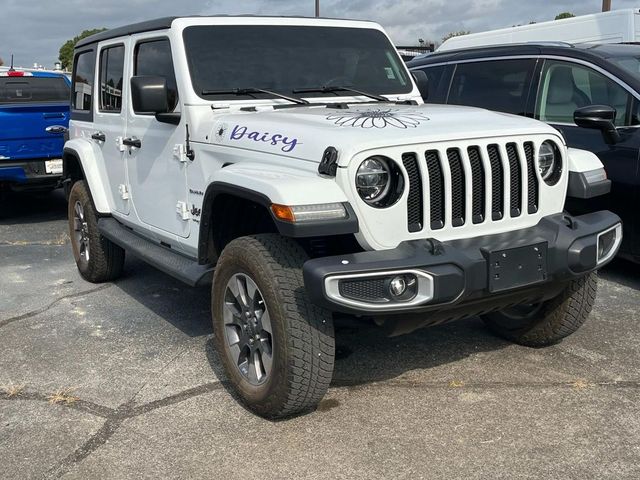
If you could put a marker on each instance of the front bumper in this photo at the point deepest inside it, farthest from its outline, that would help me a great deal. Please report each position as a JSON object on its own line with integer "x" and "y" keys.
{"x": 524, "y": 265}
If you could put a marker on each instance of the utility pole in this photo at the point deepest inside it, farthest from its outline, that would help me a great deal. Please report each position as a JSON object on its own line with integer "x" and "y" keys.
{"x": 317, "y": 8}
{"x": 606, "y": 5}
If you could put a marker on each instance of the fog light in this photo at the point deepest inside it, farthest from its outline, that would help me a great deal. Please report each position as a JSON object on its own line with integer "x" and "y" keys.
{"x": 403, "y": 287}
{"x": 608, "y": 242}
{"x": 397, "y": 286}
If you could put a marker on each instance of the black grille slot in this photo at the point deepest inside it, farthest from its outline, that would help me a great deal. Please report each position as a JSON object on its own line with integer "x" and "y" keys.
{"x": 515, "y": 174}
{"x": 532, "y": 180}
{"x": 477, "y": 179}
{"x": 497, "y": 183}
{"x": 436, "y": 189}
{"x": 364, "y": 290}
{"x": 457, "y": 187}
{"x": 414, "y": 199}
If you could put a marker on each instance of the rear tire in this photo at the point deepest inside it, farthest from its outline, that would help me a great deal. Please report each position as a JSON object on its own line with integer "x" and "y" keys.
{"x": 549, "y": 322}
{"x": 296, "y": 364}
{"x": 98, "y": 259}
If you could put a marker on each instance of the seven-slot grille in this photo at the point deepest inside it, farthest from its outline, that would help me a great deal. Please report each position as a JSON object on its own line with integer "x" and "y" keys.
{"x": 444, "y": 172}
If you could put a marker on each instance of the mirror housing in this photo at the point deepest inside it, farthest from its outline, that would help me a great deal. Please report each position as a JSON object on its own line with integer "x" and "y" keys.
{"x": 599, "y": 117}
{"x": 149, "y": 94}
{"x": 422, "y": 82}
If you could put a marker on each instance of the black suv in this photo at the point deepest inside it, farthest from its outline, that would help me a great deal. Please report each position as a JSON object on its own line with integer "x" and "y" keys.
{"x": 568, "y": 86}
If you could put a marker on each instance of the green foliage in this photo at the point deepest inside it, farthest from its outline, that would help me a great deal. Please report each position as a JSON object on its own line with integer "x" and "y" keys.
{"x": 66, "y": 51}
{"x": 454, "y": 34}
{"x": 562, "y": 15}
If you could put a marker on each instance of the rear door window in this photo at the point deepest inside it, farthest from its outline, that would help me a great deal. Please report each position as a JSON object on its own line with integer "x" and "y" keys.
{"x": 111, "y": 78}
{"x": 33, "y": 90}
{"x": 501, "y": 85}
{"x": 565, "y": 87}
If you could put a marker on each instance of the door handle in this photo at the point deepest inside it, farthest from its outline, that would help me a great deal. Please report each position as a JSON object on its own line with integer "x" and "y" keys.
{"x": 99, "y": 136}
{"x": 55, "y": 129}
{"x": 132, "y": 142}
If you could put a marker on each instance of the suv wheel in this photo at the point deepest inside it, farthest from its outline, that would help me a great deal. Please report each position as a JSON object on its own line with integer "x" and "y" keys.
{"x": 548, "y": 322}
{"x": 276, "y": 347}
{"x": 98, "y": 259}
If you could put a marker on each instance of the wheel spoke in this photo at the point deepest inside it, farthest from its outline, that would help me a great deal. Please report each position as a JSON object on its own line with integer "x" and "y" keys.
{"x": 266, "y": 356}
{"x": 265, "y": 322}
{"x": 242, "y": 291}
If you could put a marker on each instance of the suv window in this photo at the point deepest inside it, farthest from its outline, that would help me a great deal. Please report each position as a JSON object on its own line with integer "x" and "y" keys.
{"x": 111, "y": 78}
{"x": 434, "y": 74}
{"x": 83, "y": 77}
{"x": 154, "y": 58}
{"x": 565, "y": 87}
{"x": 284, "y": 58}
{"x": 501, "y": 85}
{"x": 33, "y": 90}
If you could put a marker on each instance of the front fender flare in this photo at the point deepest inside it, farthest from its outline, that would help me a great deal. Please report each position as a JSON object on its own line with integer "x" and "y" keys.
{"x": 92, "y": 171}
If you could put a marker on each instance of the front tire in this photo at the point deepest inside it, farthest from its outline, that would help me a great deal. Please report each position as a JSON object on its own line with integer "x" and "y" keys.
{"x": 549, "y": 322}
{"x": 276, "y": 347}
{"x": 98, "y": 259}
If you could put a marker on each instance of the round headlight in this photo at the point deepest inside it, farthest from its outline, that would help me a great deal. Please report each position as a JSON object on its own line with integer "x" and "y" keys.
{"x": 373, "y": 179}
{"x": 549, "y": 162}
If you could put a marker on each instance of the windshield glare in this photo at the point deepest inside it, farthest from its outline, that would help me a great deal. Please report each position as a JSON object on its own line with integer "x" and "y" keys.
{"x": 285, "y": 58}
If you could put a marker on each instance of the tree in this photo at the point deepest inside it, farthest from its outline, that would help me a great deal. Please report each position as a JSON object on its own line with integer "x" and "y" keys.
{"x": 454, "y": 34}
{"x": 562, "y": 15}
{"x": 66, "y": 50}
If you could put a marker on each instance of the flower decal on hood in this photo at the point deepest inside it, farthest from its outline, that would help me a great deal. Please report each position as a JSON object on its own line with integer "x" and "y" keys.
{"x": 379, "y": 118}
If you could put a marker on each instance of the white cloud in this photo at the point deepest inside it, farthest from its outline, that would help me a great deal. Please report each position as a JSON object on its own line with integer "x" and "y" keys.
{"x": 34, "y": 30}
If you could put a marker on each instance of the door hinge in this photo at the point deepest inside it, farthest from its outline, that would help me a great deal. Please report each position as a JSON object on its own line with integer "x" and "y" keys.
{"x": 183, "y": 210}
{"x": 124, "y": 191}
{"x": 179, "y": 153}
{"x": 120, "y": 146}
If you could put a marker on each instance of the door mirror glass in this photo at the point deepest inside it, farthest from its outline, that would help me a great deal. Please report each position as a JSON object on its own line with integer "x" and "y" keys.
{"x": 599, "y": 117}
{"x": 422, "y": 82}
{"x": 149, "y": 94}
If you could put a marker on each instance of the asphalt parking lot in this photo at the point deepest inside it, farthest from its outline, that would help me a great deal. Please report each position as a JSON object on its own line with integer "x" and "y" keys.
{"x": 120, "y": 381}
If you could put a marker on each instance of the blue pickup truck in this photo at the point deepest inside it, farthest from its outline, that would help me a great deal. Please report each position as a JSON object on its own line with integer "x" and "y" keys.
{"x": 34, "y": 117}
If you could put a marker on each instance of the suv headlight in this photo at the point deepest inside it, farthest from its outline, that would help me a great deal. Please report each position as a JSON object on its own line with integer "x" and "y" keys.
{"x": 379, "y": 181}
{"x": 549, "y": 162}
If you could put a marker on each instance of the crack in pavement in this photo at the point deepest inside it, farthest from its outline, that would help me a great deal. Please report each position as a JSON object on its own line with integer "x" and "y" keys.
{"x": 114, "y": 419}
{"x": 38, "y": 311}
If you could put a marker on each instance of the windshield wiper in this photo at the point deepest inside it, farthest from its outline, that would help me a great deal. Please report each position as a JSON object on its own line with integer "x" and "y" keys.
{"x": 251, "y": 91}
{"x": 340, "y": 88}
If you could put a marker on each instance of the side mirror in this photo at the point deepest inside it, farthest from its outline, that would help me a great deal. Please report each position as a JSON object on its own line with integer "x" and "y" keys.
{"x": 422, "y": 82}
{"x": 149, "y": 94}
{"x": 599, "y": 117}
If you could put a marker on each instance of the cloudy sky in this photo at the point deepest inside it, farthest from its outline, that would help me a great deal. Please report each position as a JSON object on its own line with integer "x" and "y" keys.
{"x": 34, "y": 30}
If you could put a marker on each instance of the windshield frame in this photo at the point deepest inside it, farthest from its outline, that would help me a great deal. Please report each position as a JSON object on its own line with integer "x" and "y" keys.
{"x": 408, "y": 90}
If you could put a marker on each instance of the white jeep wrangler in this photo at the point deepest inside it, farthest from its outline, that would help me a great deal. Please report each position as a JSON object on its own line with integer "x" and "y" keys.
{"x": 290, "y": 163}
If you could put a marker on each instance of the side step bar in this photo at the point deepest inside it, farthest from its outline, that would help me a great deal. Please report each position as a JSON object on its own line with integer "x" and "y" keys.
{"x": 184, "y": 269}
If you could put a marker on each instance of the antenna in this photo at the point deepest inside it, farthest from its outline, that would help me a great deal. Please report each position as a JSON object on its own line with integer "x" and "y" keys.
{"x": 11, "y": 69}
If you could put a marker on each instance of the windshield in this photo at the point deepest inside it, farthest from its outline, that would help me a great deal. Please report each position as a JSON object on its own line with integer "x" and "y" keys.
{"x": 285, "y": 58}
{"x": 33, "y": 90}
{"x": 631, "y": 64}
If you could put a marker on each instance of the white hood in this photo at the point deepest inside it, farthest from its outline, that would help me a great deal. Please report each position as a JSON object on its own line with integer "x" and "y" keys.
{"x": 305, "y": 132}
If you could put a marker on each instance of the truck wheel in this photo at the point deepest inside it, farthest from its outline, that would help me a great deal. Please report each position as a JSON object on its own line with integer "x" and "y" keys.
{"x": 549, "y": 322}
{"x": 98, "y": 259}
{"x": 277, "y": 348}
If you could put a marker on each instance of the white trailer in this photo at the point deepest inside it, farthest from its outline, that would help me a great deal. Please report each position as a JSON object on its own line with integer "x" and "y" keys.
{"x": 618, "y": 26}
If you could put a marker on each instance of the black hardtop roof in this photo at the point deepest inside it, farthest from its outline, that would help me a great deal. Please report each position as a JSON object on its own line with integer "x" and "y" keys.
{"x": 579, "y": 50}
{"x": 164, "y": 23}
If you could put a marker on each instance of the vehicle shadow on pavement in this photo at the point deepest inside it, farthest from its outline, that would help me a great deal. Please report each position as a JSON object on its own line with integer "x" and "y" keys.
{"x": 18, "y": 208}
{"x": 184, "y": 307}
{"x": 623, "y": 272}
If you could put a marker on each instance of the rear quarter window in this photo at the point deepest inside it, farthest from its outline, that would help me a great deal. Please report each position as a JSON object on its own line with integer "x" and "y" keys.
{"x": 33, "y": 90}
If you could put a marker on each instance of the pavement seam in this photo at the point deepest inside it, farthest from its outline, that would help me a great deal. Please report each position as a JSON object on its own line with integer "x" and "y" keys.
{"x": 33, "y": 313}
{"x": 461, "y": 384}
